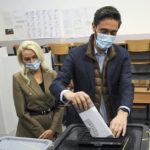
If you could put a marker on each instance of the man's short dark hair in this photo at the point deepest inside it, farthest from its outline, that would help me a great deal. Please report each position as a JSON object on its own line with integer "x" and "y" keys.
{"x": 107, "y": 12}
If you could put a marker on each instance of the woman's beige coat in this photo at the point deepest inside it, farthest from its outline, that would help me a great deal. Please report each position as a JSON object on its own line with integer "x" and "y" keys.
{"x": 31, "y": 97}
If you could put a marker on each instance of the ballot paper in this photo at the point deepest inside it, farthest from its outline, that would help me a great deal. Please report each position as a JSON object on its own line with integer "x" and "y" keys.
{"x": 95, "y": 123}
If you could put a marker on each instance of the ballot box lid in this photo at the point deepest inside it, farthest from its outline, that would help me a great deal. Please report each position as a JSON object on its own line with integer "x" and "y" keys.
{"x": 137, "y": 138}
{"x": 19, "y": 143}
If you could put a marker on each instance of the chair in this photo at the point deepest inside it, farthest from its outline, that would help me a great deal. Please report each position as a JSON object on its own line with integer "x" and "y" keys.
{"x": 122, "y": 44}
{"x": 78, "y": 43}
{"x": 58, "y": 50}
{"x": 142, "y": 95}
{"x": 139, "y": 51}
{"x": 138, "y": 46}
{"x": 15, "y": 47}
{"x": 142, "y": 99}
{"x": 141, "y": 83}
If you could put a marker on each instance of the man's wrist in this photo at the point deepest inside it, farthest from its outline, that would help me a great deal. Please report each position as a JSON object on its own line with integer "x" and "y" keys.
{"x": 123, "y": 111}
{"x": 124, "y": 108}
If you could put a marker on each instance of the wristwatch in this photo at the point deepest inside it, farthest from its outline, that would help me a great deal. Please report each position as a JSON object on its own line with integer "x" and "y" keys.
{"x": 124, "y": 109}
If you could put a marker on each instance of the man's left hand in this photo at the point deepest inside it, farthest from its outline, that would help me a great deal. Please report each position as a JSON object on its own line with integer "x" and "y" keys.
{"x": 119, "y": 124}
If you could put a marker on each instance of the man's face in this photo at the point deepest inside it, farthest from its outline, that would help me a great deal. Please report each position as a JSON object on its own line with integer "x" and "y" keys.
{"x": 107, "y": 26}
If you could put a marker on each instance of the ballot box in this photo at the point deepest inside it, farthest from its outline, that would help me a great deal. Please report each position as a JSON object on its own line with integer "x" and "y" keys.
{"x": 77, "y": 137}
{"x": 20, "y": 143}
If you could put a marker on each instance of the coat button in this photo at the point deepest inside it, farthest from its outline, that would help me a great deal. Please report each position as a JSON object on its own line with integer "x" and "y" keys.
{"x": 30, "y": 93}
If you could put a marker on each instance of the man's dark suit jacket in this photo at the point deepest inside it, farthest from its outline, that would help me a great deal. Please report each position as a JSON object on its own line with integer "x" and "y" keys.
{"x": 79, "y": 67}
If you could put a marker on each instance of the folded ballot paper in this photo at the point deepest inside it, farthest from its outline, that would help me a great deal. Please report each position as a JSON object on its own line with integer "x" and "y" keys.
{"x": 95, "y": 123}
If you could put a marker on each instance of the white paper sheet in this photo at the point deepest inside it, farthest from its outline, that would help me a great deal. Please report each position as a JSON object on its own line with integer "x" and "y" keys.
{"x": 95, "y": 123}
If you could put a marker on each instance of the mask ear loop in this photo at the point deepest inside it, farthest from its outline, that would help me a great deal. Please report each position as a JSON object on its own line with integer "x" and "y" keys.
{"x": 95, "y": 35}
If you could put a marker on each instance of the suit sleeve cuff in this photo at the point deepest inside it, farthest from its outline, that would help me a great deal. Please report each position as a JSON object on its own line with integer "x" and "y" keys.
{"x": 61, "y": 97}
{"x": 127, "y": 108}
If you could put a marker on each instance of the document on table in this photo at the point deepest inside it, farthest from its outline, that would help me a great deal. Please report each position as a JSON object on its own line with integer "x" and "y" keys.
{"x": 95, "y": 123}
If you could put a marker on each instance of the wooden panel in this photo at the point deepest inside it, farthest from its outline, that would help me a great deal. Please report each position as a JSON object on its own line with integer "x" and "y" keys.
{"x": 123, "y": 44}
{"x": 138, "y": 45}
{"x": 58, "y": 64}
{"x": 59, "y": 48}
{"x": 139, "y": 106}
{"x": 141, "y": 95}
{"x": 141, "y": 90}
{"x": 78, "y": 43}
{"x": 141, "y": 98}
{"x": 140, "y": 61}
{"x": 141, "y": 83}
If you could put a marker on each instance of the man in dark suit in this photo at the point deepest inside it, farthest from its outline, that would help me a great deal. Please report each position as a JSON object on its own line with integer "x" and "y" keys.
{"x": 100, "y": 71}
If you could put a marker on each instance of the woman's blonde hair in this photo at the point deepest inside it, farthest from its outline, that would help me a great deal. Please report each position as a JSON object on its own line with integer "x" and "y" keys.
{"x": 30, "y": 45}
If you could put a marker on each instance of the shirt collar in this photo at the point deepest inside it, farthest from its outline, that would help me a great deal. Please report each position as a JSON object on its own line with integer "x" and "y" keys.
{"x": 96, "y": 52}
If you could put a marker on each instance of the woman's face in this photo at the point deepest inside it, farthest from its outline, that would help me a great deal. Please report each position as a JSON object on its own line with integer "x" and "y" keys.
{"x": 29, "y": 56}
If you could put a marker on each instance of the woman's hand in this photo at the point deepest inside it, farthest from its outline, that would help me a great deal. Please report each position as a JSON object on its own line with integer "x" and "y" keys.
{"x": 48, "y": 134}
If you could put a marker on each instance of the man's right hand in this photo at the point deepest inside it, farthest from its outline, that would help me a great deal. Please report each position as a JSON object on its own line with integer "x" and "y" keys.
{"x": 80, "y": 99}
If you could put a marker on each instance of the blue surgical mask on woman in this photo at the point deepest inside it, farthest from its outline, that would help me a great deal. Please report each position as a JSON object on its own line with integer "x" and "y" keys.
{"x": 33, "y": 66}
{"x": 104, "y": 41}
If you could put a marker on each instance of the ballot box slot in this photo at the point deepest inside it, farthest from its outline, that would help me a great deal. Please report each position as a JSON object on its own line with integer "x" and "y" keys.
{"x": 84, "y": 138}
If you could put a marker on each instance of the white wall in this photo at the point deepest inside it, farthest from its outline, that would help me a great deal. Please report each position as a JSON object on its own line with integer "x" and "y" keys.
{"x": 135, "y": 13}
{"x": 135, "y": 16}
{"x": 8, "y": 117}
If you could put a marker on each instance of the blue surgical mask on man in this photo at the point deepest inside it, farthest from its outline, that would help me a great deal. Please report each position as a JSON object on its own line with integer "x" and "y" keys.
{"x": 33, "y": 66}
{"x": 104, "y": 41}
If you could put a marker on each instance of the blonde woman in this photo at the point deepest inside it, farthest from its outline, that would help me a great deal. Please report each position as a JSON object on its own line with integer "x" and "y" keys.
{"x": 40, "y": 115}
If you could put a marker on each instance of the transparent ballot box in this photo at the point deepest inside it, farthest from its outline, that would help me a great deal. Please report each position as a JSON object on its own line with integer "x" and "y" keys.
{"x": 17, "y": 143}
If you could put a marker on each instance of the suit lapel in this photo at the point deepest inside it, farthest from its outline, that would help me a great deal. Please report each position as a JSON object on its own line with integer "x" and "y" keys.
{"x": 35, "y": 87}
{"x": 46, "y": 82}
{"x": 89, "y": 56}
{"x": 111, "y": 65}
